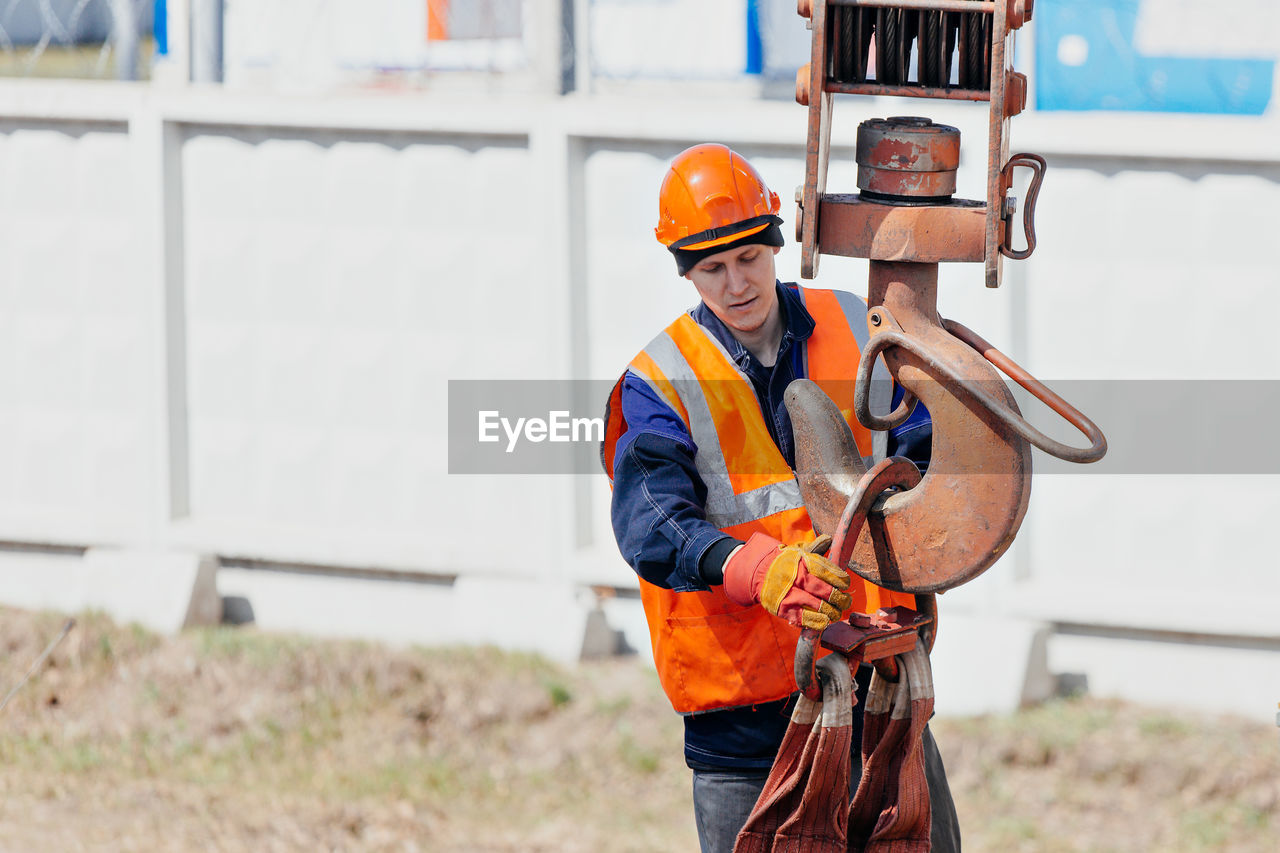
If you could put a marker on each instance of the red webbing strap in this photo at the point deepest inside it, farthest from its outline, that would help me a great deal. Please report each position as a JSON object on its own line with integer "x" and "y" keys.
{"x": 802, "y": 808}
{"x": 890, "y": 812}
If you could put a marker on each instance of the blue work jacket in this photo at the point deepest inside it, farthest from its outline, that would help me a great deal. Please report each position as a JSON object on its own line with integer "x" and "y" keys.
{"x": 661, "y": 527}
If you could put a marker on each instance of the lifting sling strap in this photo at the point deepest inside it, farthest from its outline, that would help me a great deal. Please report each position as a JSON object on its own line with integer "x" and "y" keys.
{"x": 805, "y": 808}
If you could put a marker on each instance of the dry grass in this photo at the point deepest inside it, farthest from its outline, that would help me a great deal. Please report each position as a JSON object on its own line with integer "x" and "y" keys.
{"x": 238, "y": 740}
{"x": 232, "y": 739}
{"x": 1094, "y": 775}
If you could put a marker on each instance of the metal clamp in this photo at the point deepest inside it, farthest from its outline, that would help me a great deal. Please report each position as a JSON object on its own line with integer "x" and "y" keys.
{"x": 1037, "y": 165}
{"x": 875, "y": 639}
{"x": 895, "y": 472}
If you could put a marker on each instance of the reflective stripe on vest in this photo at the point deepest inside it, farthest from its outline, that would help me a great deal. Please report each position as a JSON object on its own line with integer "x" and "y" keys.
{"x": 724, "y": 507}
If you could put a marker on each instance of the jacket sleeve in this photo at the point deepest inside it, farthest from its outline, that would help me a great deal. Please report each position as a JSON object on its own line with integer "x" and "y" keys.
{"x": 914, "y": 437}
{"x": 658, "y": 511}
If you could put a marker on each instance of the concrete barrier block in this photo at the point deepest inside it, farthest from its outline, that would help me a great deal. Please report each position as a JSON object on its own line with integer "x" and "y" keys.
{"x": 342, "y": 605}
{"x": 989, "y": 664}
{"x": 541, "y": 616}
{"x": 37, "y": 580}
{"x": 1229, "y": 675}
{"x": 627, "y": 616}
{"x": 205, "y": 605}
{"x": 161, "y": 590}
{"x": 546, "y": 617}
{"x": 600, "y": 639}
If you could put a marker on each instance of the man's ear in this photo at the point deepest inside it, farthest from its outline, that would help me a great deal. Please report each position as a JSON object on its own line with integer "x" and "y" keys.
{"x": 776, "y": 249}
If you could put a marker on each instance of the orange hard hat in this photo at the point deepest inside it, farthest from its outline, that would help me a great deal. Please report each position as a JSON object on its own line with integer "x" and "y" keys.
{"x": 710, "y": 197}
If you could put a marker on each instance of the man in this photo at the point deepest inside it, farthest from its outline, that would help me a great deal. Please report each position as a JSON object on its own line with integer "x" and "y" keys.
{"x": 706, "y": 508}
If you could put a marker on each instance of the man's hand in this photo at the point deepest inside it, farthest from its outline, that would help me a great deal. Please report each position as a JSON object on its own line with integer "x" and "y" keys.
{"x": 791, "y": 581}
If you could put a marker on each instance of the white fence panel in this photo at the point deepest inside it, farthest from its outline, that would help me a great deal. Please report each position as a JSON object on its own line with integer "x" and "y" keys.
{"x": 75, "y": 335}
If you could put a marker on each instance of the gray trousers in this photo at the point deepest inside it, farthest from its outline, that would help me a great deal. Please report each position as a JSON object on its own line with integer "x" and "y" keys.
{"x": 722, "y": 801}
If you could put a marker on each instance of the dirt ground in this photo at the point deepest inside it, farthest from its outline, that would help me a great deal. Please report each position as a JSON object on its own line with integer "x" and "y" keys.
{"x": 236, "y": 740}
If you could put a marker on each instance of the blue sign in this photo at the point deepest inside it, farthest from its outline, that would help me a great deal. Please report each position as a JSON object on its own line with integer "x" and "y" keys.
{"x": 1086, "y": 59}
{"x": 160, "y": 27}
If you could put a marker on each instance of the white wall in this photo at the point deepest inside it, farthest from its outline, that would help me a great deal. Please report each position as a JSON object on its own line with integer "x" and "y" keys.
{"x": 74, "y": 332}
{"x": 228, "y": 321}
{"x": 335, "y": 283}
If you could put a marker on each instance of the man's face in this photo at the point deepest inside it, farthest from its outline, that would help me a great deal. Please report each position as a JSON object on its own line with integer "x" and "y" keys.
{"x": 738, "y": 285}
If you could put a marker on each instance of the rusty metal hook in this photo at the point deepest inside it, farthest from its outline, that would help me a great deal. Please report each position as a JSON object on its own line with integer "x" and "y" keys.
{"x": 1037, "y": 165}
{"x": 893, "y": 336}
{"x": 895, "y": 472}
{"x": 966, "y": 510}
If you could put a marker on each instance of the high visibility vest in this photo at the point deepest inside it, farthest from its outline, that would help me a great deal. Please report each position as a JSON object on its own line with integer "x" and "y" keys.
{"x": 710, "y": 652}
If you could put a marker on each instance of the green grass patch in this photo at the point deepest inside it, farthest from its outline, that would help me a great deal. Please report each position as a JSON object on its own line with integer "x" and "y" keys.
{"x": 558, "y": 692}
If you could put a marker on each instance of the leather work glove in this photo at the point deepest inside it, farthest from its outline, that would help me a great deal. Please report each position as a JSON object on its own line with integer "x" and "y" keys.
{"x": 794, "y": 582}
